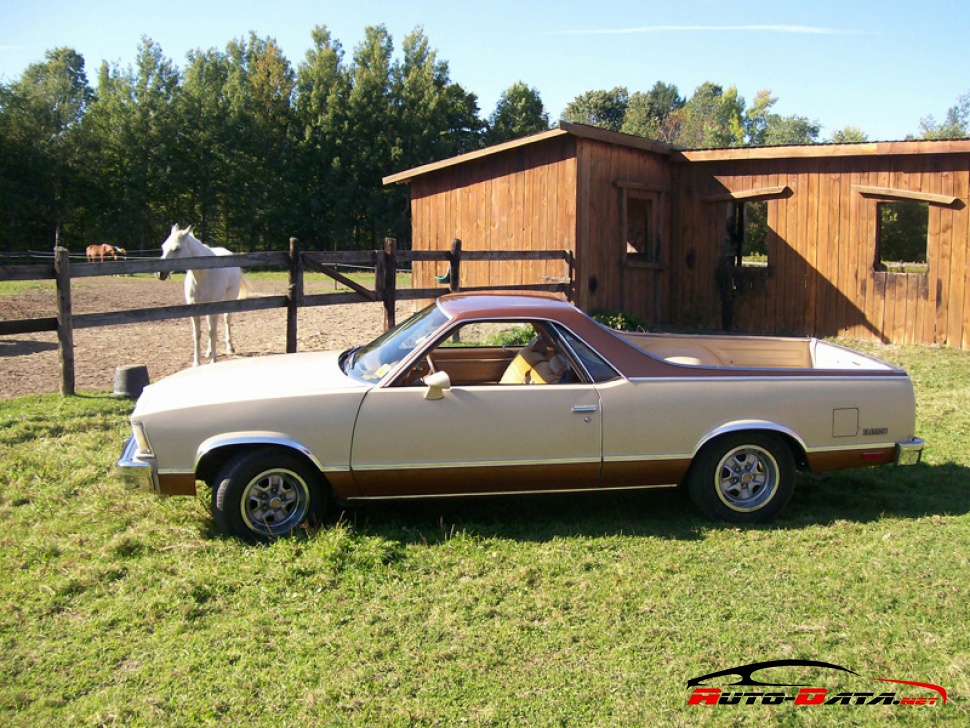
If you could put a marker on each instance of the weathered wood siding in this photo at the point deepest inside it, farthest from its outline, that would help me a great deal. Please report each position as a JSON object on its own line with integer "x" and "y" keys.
{"x": 521, "y": 199}
{"x": 604, "y": 279}
{"x": 822, "y": 248}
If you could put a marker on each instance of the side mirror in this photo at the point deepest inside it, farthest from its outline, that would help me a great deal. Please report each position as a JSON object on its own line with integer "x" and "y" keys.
{"x": 437, "y": 383}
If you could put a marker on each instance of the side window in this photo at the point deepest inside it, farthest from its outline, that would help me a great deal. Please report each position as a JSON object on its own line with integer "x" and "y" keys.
{"x": 597, "y": 367}
{"x": 496, "y": 352}
{"x": 487, "y": 334}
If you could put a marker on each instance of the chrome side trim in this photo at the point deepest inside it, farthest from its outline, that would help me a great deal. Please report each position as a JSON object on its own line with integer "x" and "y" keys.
{"x": 475, "y": 494}
{"x": 895, "y": 374}
{"x": 472, "y": 464}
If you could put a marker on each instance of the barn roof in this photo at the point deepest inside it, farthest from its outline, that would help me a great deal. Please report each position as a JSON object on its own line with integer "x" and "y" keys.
{"x": 822, "y": 151}
{"x": 677, "y": 154}
{"x": 564, "y": 129}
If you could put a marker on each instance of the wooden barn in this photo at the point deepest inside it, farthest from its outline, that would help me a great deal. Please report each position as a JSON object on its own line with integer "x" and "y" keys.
{"x": 863, "y": 240}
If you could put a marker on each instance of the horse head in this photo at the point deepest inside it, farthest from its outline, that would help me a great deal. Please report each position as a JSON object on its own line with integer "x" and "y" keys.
{"x": 177, "y": 245}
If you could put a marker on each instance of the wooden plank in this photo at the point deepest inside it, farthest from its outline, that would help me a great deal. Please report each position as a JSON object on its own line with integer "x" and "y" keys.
{"x": 65, "y": 319}
{"x": 857, "y": 261}
{"x": 493, "y": 151}
{"x": 795, "y": 268}
{"x": 827, "y": 151}
{"x": 43, "y": 272}
{"x": 756, "y": 192}
{"x": 424, "y": 256}
{"x": 294, "y": 295}
{"x": 116, "y": 318}
{"x": 811, "y": 251}
{"x": 892, "y": 193}
{"x": 828, "y": 291}
{"x": 10, "y": 327}
{"x": 155, "y": 265}
{"x": 943, "y": 243}
{"x": 344, "y": 280}
{"x": 777, "y": 258}
{"x": 844, "y": 307}
{"x": 964, "y": 241}
{"x": 956, "y": 183}
{"x": 881, "y": 303}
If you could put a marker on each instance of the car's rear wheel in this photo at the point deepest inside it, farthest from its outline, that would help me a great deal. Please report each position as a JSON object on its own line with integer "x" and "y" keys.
{"x": 743, "y": 477}
{"x": 267, "y": 493}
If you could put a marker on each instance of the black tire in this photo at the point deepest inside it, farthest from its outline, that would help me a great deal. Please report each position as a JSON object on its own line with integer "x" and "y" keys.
{"x": 744, "y": 477}
{"x": 267, "y": 493}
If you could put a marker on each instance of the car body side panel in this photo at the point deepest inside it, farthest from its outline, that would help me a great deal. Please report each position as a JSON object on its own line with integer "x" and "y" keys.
{"x": 668, "y": 420}
{"x": 477, "y": 439}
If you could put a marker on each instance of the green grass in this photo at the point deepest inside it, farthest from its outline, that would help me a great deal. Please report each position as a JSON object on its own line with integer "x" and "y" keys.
{"x": 125, "y": 609}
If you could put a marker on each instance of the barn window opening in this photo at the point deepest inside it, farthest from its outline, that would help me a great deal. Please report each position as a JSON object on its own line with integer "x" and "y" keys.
{"x": 642, "y": 231}
{"x": 902, "y": 236}
{"x": 748, "y": 233}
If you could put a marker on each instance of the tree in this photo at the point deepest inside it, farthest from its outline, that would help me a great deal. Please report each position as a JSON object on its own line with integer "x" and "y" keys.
{"x": 41, "y": 138}
{"x": 763, "y": 128}
{"x": 133, "y": 150}
{"x": 654, "y": 114}
{"x": 370, "y": 136}
{"x": 955, "y": 126}
{"x": 518, "y": 113}
{"x": 849, "y": 135}
{"x": 260, "y": 89}
{"x": 712, "y": 118}
{"x": 323, "y": 87}
{"x": 605, "y": 109}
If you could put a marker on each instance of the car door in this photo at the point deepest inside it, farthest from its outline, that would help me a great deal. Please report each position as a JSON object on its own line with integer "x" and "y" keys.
{"x": 477, "y": 439}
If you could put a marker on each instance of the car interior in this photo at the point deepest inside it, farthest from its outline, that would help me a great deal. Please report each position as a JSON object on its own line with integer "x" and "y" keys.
{"x": 471, "y": 358}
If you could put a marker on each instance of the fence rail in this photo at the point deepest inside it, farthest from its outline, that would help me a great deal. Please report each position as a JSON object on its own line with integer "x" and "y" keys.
{"x": 384, "y": 262}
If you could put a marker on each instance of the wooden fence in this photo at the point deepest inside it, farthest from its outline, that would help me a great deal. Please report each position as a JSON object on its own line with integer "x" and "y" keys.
{"x": 384, "y": 262}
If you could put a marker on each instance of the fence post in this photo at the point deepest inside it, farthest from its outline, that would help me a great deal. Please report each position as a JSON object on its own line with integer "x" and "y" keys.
{"x": 294, "y": 295}
{"x": 454, "y": 257}
{"x": 389, "y": 295}
{"x": 65, "y": 323}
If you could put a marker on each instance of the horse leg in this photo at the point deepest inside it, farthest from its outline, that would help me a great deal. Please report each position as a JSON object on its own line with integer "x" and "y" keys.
{"x": 213, "y": 321}
{"x": 196, "y": 324}
{"x": 230, "y": 349}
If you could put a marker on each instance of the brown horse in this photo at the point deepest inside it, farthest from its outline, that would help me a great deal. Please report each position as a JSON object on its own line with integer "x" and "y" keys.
{"x": 100, "y": 252}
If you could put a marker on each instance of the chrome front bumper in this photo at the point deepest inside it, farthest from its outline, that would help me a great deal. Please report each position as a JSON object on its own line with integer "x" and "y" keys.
{"x": 909, "y": 452}
{"x": 137, "y": 473}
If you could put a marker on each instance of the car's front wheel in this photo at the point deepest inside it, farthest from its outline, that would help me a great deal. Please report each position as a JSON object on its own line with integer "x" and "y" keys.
{"x": 267, "y": 493}
{"x": 743, "y": 477}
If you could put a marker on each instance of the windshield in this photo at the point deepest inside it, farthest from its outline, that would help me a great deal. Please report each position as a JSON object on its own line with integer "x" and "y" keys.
{"x": 371, "y": 362}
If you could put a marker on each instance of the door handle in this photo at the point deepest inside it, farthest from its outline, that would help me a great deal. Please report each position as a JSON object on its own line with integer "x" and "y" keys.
{"x": 586, "y": 408}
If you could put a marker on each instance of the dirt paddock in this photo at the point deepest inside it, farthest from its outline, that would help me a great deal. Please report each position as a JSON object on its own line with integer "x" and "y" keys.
{"x": 29, "y": 363}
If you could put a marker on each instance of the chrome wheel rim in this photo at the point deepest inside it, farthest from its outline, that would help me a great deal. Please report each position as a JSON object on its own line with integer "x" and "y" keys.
{"x": 746, "y": 478}
{"x": 275, "y": 502}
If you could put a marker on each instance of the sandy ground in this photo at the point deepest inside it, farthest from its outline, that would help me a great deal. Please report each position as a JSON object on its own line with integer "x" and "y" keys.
{"x": 29, "y": 363}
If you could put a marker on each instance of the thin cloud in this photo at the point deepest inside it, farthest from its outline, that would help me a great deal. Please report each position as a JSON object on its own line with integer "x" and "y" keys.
{"x": 790, "y": 29}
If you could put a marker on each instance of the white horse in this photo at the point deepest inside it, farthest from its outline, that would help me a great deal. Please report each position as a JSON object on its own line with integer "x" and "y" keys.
{"x": 205, "y": 286}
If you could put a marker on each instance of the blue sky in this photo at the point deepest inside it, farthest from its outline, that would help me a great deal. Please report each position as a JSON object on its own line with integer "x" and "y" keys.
{"x": 881, "y": 66}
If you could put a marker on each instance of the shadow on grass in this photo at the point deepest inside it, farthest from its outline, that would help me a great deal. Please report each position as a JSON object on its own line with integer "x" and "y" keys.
{"x": 860, "y": 496}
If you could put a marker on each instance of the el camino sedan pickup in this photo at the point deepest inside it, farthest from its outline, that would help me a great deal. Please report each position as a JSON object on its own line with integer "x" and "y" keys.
{"x": 501, "y": 394}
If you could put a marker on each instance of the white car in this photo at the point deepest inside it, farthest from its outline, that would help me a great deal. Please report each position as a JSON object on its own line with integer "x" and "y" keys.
{"x": 501, "y": 394}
